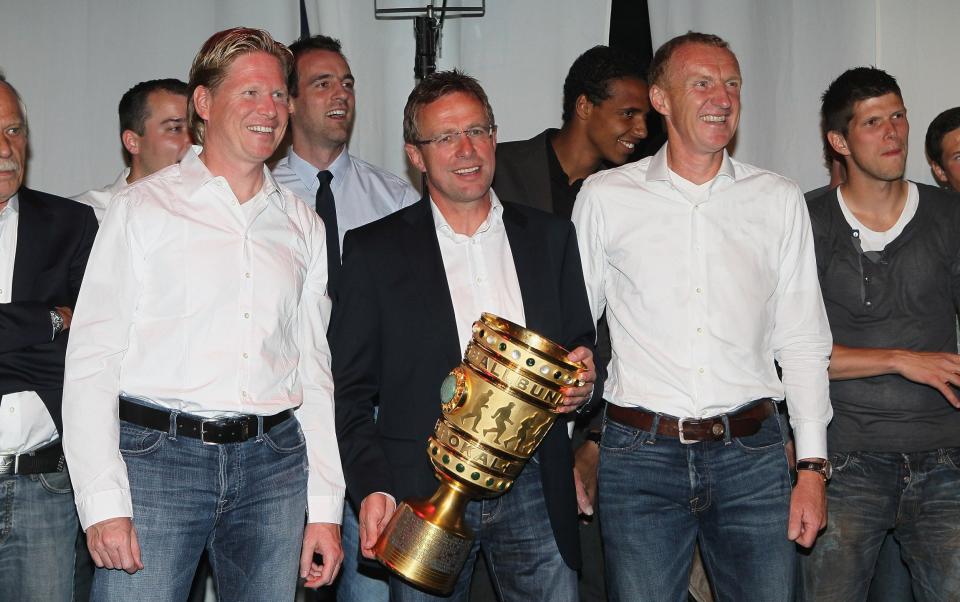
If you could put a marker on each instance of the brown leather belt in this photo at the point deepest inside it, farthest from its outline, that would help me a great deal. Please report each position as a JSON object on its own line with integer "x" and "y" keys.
{"x": 744, "y": 423}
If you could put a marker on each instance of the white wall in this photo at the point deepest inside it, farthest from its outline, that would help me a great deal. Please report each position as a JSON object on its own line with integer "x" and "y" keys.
{"x": 73, "y": 59}
{"x": 790, "y": 51}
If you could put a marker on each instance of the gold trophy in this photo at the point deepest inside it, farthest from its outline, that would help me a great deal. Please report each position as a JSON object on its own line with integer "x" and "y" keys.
{"x": 498, "y": 405}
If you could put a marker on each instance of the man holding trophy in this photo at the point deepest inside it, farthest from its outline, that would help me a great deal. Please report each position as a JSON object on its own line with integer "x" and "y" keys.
{"x": 412, "y": 286}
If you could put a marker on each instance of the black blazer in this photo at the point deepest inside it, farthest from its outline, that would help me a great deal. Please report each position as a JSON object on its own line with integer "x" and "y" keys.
{"x": 393, "y": 338}
{"x": 54, "y": 237}
{"x": 523, "y": 172}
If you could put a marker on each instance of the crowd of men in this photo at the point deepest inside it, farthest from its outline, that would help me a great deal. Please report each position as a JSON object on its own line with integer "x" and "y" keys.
{"x": 254, "y": 355}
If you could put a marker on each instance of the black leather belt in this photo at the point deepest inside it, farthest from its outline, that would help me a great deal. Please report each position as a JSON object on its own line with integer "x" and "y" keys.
{"x": 47, "y": 459}
{"x": 744, "y": 423}
{"x": 235, "y": 429}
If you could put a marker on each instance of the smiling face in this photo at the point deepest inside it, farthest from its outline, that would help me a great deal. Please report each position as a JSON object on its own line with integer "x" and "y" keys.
{"x": 700, "y": 98}
{"x": 13, "y": 144}
{"x": 463, "y": 171}
{"x": 616, "y": 124}
{"x": 875, "y": 146}
{"x": 323, "y": 111}
{"x": 246, "y": 115}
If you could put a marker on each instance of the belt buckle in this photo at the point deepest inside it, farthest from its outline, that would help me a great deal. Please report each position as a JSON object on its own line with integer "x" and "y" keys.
{"x": 8, "y": 465}
{"x": 203, "y": 431}
{"x": 683, "y": 439}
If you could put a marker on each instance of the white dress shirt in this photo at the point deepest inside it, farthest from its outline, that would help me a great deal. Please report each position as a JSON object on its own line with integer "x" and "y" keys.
{"x": 100, "y": 199}
{"x": 193, "y": 302}
{"x": 480, "y": 271}
{"x": 25, "y": 423}
{"x": 362, "y": 192}
{"x": 702, "y": 293}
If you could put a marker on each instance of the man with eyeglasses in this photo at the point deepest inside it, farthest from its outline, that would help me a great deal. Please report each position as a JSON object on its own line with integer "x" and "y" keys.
{"x": 411, "y": 286}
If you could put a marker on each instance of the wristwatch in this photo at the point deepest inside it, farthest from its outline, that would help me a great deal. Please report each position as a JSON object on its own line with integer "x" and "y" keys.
{"x": 824, "y": 467}
{"x": 56, "y": 320}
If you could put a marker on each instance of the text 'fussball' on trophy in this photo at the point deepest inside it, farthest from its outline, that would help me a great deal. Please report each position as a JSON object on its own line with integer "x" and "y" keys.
{"x": 498, "y": 405}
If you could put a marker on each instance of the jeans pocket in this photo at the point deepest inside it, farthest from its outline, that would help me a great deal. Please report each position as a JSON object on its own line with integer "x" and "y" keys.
{"x": 767, "y": 439}
{"x": 952, "y": 457}
{"x": 841, "y": 462}
{"x": 56, "y": 482}
{"x": 286, "y": 438}
{"x": 138, "y": 440}
{"x": 620, "y": 438}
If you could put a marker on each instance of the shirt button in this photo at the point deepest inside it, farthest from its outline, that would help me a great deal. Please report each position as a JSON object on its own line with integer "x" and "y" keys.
{"x": 869, "y": 303}
{"x": 700, "y": 370}
{"x": 245, "y": 356}
{"x": 699, "y": 290}
{"x": 699, "y": 331}
{"x": 246, "y": 316}
{"x": 13, "y": 410}
{"x": 247, "y": 275}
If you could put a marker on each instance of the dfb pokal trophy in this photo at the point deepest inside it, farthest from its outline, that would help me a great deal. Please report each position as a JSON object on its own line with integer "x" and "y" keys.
{"x": 497, "y": 405}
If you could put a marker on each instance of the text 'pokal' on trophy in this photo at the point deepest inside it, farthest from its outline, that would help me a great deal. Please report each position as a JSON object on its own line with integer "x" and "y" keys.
{"x": 498, "y": 405}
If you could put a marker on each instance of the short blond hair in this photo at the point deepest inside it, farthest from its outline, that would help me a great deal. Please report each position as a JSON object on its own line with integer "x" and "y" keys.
{"x": 210, "y": 66}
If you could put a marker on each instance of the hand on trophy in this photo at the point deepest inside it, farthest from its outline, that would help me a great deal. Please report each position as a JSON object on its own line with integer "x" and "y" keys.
{"x": 375, "y": 512}
{"x": 574, "y": 397}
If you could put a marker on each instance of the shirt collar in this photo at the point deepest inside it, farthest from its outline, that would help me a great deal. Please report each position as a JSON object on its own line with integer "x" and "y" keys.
{"x": 493, "y": 220}
{"x": 195, "y": 176}
{"x": 658, "y": 169}
{"x": 12, "y": 206}
{"x": 308, "y": 173}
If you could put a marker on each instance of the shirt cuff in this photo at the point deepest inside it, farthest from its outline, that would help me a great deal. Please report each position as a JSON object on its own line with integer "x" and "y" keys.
{"x": 810, "y": 439}
{"x": 325, "y": 509}
{"x": 99, "y": 507}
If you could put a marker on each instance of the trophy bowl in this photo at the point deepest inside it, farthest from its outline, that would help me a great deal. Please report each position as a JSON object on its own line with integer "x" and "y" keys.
{"x": 497, "y": 406}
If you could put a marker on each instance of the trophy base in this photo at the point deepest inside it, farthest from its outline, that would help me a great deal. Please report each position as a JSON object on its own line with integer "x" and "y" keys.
{"x": 426, "y": 545}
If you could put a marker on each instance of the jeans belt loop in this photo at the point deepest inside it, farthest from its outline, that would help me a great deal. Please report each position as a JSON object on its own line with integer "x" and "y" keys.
{"x": 172, "y": 430}
{"x": 725, "y": 418}
{"x": 654, "y": 428}
{"x": 259, "y": 428}
{"x": 16, "y": 464}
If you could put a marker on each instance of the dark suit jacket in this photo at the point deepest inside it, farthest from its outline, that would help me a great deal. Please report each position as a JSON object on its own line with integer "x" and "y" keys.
{"x": 523, "y": 172}
{"x": 393, "y": 338}
{"x": 54, "y": 237}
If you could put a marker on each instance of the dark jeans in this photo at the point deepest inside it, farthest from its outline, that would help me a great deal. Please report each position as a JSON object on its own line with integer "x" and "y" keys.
{"x": 38, "y": 535}
{"x": 659, "y": 496}
{"x": 516, "y": 539}
{"x": 917, "y": 495}
{"x": 245, "y": 503}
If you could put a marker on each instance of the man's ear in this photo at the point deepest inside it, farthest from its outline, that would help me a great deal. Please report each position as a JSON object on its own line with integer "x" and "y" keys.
{"x": 659, "y": 101}
{"x": 583, "y": 107}
{"x": 838, "y": 143}
{"x": 131, "y": 141}
{"x": 416, "y": 158}
{"x": 938, "y": 173}
{"x": 201, "y": 102}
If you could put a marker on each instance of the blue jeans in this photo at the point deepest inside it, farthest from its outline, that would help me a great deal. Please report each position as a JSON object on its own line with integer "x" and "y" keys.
{"x": 513, "y": 532}
{"x": 38, "y": 534}
{"x": 917, "y": 495}
{"x": 658, "y": 496}
{"x": 245, "y": 503}
{"x": 358, "y": 583}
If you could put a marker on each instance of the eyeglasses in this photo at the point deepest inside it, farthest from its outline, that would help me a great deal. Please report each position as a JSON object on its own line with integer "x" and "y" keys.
{"x": 475, "y": 134}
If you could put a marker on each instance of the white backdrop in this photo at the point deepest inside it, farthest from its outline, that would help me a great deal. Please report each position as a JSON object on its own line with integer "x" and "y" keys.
{"x": 72, "y": 60}
{"x": 790, "y": 51}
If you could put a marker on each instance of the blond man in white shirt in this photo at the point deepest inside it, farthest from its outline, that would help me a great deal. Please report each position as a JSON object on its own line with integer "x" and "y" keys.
{"x": 205, "y": 313}
{"x": 705, "y": 267}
